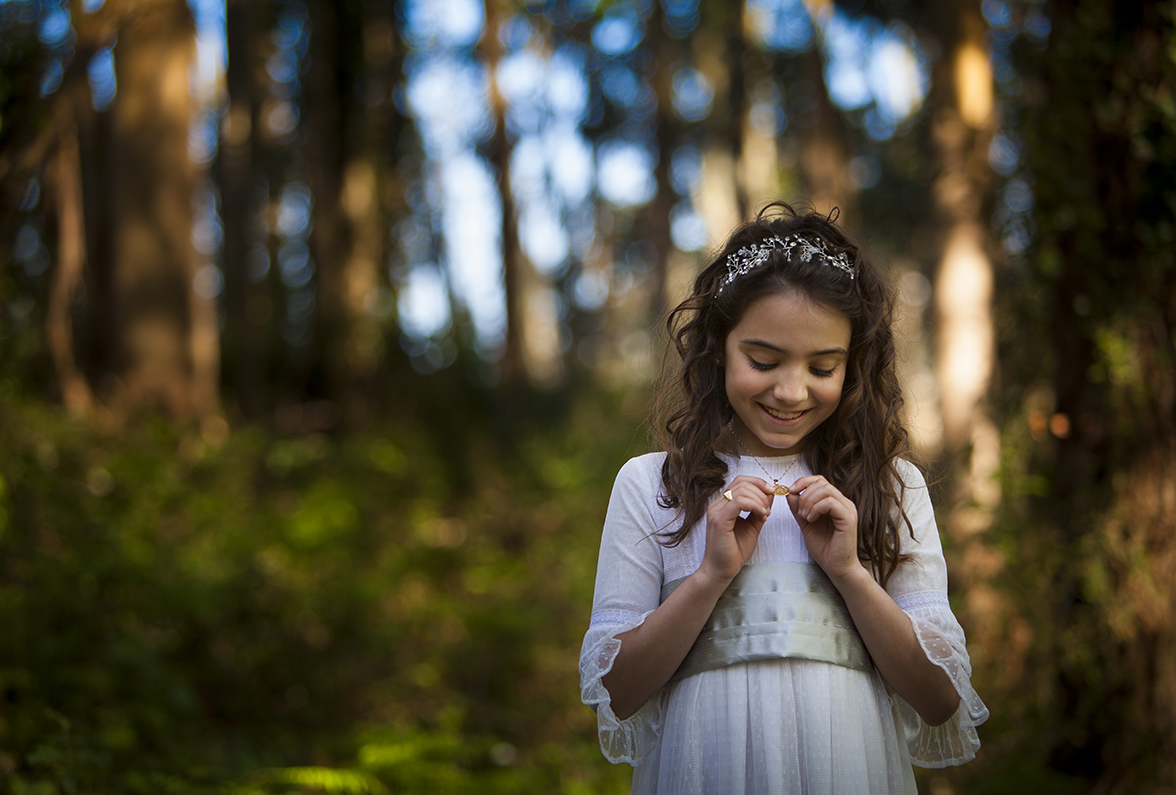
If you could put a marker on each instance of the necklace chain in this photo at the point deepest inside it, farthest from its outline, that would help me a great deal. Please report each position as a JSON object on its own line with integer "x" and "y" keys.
{"x": 778, "y": 488}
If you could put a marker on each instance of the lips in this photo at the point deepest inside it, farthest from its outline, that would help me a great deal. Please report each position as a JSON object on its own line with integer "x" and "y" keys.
{"x": 783, "y": 415}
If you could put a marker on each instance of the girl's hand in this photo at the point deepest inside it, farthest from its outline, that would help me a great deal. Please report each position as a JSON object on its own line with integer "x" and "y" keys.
{"x": 730, "y": 536}
{"x": 828, "y": 520}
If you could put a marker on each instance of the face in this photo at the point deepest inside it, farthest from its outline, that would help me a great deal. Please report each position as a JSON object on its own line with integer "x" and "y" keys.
{"x": 785, "y": 366}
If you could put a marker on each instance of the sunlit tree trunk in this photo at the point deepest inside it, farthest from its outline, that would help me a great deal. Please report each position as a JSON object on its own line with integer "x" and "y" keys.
{"x": 153, "y": 184}
{"x": 513, "y": 361}
{"x": 961, "y": 130}
{"x": 66, "y": 174}
{"x": 655, "y": 218}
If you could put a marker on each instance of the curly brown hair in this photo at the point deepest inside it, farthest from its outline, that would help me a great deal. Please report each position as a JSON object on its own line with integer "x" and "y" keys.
{"x": 856, "y": 449}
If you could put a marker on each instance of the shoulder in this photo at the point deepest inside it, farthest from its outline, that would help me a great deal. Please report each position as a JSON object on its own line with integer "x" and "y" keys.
{"x": 909, "y": 474}
{"x": 912, "y": 484}
{"x": 641, "y": 472}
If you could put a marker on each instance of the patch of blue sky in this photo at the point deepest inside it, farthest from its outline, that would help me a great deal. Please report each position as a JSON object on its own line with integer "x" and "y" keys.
{"x": 556, "y": 164}
{"x": 542, "y": 91}
{"x": 624, "y": 173}
{"x": 846, "y": 43}
{"x": 680, "y": 16}
{"x": 294, "y": 263}
{"x": 624, "y": 87}
{"x": 442, "y": 24}
{"x": 292, "y": 30}
{"x": 211, "y": 48}
{"x": 544, "y": 238}
{"x": 101, "y": 76}
{"x": 899, "y": 74}
{"x": 685, "y": 169}
{"x": 423, "y": 302}
{"x": 693, "y": 94}
{"x": 472, "y": 231}
{"x": 572, "y": 167}
{"x": 870, "y": 65}
{"x": 783, "y": 25}
{"x": 618, "y": 33}
{"x": 687, "y": 228}
{"x": 448, "y": 96}
{"x": 294, "y": 218}
{"x": 567, "y": 84}
{"x": 55, "y": 27}
{"x": 516, "y": 32}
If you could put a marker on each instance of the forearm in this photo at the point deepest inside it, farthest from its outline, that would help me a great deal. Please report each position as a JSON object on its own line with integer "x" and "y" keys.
{"x": 890, "y": 638}
{"x": 651, "y": 653}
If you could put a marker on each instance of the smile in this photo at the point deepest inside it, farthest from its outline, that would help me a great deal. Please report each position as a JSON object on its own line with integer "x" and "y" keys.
{"x": 783, "y": 415}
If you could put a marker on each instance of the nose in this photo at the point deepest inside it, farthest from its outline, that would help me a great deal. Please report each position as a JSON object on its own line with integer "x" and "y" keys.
{"x": 790, "y": 387}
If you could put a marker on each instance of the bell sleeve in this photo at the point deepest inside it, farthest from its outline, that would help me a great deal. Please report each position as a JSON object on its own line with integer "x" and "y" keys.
{"x": 628, "y": 589}
{"x": 919, "y": 586}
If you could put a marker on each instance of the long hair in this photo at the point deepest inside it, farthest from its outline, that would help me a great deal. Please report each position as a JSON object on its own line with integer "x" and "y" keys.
{"x": 856, "y": 448}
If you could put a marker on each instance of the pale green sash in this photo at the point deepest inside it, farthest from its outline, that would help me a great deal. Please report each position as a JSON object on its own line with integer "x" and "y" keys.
{"x": 773, "y": 610}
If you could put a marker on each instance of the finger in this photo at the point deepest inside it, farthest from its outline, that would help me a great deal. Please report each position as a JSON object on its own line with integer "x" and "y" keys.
{"x": 744, "y": 497}
{"x": 808, "y": 481}
{"x": 830, "y": 506}
{"x": 759, "y": 483}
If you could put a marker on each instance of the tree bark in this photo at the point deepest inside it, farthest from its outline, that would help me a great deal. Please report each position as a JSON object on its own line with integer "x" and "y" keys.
{"x": 66, "y": 170}
{"x": 154, "y": 181}
{"x": 237, "y": 175}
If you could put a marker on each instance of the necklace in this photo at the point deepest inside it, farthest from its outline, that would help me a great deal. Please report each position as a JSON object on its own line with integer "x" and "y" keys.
{"x": 778, "y": 488}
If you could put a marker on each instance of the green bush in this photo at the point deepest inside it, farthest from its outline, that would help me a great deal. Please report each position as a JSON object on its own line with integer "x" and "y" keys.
{"x": 312, "y": 614}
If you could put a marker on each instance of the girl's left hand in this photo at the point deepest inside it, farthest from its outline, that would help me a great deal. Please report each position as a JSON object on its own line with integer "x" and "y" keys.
{"x": 828, "y": 520}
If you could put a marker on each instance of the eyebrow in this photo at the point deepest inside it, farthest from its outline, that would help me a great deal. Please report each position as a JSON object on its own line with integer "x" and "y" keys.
{"x": 814, "y": 354}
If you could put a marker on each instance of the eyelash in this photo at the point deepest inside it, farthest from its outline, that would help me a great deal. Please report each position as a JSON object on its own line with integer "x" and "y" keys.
{"x": 815, "y": 370}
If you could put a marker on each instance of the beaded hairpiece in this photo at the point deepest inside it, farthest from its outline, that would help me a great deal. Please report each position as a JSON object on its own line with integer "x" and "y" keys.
{"x": 752, "y": 256}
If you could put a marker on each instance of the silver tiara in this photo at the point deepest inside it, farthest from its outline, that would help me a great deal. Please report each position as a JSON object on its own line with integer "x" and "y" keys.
{"x": 752, "y": 256}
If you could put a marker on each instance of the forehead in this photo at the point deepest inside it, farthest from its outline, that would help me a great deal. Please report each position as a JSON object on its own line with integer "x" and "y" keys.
{"x": 791, "y": 320}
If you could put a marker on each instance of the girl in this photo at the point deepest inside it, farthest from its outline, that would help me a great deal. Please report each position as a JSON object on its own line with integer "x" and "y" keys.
{"x": 771, "y": 610}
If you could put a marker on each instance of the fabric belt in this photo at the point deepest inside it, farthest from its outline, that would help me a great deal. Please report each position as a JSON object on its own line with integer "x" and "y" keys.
{"x": 774, "y": 610}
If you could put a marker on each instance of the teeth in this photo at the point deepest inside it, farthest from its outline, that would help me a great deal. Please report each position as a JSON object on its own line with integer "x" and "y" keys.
{"x": 780, "y": 415}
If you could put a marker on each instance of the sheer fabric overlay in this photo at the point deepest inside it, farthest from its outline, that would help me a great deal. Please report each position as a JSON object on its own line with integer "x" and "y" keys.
{"x": 776, "y": 726}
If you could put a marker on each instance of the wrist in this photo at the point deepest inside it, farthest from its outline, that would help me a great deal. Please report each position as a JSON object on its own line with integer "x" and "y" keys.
{"x": 853, "y": 577}
{"x": 710, "y": 581}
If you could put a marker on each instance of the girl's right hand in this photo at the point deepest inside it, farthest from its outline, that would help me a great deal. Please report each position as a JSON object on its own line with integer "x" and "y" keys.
{"x": 730, "y": 536}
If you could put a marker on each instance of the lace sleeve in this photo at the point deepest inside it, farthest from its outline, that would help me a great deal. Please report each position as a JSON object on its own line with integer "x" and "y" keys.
{"x": 628, "y": 588}
{"x": 954, "y": 742}
{"x": 629, "y": 740}
{"x": 919, "y": 586}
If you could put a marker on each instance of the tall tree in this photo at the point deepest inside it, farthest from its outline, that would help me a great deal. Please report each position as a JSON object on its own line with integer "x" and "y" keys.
{"x": 162, "y": 325}
{"x": 238, "y": 175}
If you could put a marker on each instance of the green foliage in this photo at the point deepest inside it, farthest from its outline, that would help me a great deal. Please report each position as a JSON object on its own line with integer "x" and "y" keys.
{"x": 298, "y": 615}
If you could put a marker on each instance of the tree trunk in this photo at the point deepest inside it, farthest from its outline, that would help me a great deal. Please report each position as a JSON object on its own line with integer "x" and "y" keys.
{"x": 824, "y": 153}
{"x": 66, "y": 171}
{"x": 962, "y": 125}
{"x": 153, "y": 186}
{"x": 513, "y": 362}
{"x": 237, "y": 175}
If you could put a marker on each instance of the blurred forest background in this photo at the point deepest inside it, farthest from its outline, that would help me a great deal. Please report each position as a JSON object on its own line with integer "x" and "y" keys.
{"x": 325, "y": 326}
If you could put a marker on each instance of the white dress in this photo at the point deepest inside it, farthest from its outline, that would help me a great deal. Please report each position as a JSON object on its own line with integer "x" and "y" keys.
{"x": 777, "y": 726}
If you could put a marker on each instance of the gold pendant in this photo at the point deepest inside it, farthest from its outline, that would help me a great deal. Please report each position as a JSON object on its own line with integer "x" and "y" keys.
{"x": 780, "y": 490}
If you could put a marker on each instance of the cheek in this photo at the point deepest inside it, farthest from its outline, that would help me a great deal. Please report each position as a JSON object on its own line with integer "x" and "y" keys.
{"x": 831, "y": 391}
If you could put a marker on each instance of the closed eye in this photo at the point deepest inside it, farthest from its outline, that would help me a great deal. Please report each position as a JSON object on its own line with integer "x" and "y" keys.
{"x": 760, "y": 365}
{"x": 817, "y": 371}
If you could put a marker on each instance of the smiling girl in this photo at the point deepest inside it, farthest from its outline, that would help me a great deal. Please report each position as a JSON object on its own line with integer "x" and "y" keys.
{"x": 743, "y": 643}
